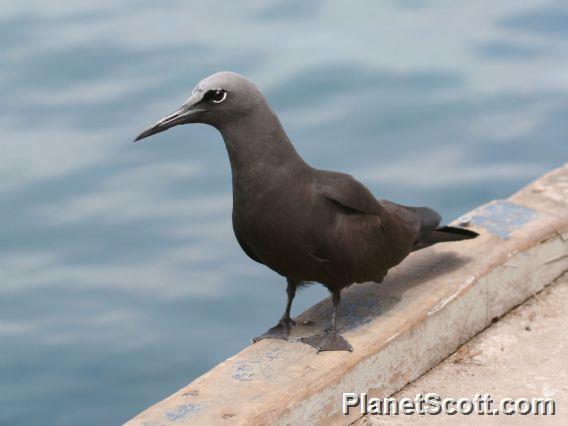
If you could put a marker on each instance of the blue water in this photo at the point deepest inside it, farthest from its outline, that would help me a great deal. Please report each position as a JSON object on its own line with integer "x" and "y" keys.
{"x": 121, "y": 280}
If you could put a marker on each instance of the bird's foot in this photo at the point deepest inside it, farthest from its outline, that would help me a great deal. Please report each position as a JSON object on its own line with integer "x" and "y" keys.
{"x": 329, "y": 340}
{"x": 279, "y": 331}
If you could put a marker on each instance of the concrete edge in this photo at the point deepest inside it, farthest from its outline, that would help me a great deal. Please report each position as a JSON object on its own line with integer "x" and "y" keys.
{"x": 400, "y": 329}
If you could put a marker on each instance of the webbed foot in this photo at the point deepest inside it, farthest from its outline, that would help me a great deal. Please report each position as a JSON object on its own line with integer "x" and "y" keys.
{"x": 329, "y": 340}
{"x": 279, "y": 331}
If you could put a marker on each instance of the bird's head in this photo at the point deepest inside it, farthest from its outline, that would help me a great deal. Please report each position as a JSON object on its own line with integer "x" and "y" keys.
{"x": 216, "y": 100}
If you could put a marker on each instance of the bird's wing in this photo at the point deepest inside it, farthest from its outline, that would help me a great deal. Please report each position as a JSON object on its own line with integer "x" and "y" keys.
{"x": 352, "y": 195}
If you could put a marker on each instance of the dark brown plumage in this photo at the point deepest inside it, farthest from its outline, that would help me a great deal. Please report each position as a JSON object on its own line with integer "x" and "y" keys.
{"x": 306, "y": 224}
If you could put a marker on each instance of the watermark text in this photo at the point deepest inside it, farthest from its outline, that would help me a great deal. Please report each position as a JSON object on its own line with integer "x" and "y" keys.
{"x": 433, "y": 404}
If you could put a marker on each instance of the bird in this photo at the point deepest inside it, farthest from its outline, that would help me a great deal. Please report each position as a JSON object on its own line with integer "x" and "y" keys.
{"x": 306, "y": 224}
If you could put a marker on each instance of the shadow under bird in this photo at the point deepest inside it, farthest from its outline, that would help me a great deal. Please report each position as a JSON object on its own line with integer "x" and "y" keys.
{"x": 306, "y": 224}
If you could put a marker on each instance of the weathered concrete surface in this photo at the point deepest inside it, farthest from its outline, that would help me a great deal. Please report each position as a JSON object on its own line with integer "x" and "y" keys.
{"x": 523, "y": 355}
{"x": 426, "y": 308}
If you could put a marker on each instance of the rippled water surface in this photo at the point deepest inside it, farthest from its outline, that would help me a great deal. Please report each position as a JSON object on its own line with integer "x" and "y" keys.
{"x": 121, "y": 280}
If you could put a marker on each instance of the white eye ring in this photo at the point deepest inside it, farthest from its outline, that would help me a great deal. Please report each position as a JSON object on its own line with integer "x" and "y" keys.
{"x": 222, "y": 99}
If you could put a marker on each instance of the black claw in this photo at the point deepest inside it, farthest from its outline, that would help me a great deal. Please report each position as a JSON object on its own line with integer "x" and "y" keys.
{"x": 330, "y": 340}
{"x": 279, "y": 331}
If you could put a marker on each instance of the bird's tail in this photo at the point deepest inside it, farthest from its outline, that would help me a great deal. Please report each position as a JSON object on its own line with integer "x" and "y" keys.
{"x": 445, "y": 234}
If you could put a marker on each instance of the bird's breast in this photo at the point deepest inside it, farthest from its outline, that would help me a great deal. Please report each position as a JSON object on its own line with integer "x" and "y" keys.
{"x": 274, "y": 225}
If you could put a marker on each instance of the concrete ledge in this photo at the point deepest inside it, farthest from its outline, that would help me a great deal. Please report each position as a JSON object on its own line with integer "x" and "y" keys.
{"x": 435, "y": 301}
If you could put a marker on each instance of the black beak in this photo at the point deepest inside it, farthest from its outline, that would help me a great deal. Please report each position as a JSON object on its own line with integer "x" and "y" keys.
{"x": 185, "y": 114}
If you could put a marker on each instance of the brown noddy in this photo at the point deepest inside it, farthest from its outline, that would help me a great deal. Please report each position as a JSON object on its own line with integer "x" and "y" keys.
{"x": 306, "y": 224}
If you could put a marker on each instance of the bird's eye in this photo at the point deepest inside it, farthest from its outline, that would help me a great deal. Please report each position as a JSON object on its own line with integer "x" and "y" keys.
{"x": 218, "y": 96}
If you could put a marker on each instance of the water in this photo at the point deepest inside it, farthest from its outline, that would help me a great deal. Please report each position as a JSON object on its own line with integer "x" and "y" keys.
{"x": 121, "y": 279}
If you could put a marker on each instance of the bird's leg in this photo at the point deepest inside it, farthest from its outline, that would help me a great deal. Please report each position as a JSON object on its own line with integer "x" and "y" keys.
{"x": 282, "y": 329}
{"x": 330, "y": 339}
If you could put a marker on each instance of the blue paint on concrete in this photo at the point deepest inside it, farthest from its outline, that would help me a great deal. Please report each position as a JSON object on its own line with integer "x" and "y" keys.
{"x": 245, "y": 371}
{"x": 182, "y": 411}
{"x": 503, "y": 217}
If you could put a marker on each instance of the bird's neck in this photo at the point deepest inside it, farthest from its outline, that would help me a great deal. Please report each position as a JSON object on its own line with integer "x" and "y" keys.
{"x": 259, "y": 148}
